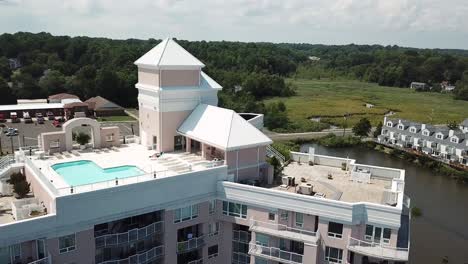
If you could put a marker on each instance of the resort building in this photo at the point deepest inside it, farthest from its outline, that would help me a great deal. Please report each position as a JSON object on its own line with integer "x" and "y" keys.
{"x": 449, "y": 145}
{"x": 193, "y": 188}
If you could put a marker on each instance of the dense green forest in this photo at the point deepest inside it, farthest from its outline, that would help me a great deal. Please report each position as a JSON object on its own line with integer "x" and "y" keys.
{"x": 249, "y": 72}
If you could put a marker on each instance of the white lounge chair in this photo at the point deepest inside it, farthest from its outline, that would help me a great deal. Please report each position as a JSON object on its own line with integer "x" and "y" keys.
{"x": 57, "y": 155}
{"x": 114, "y": 148}
{"x": 76, "y": 153}
{"x": 67, "y": 154}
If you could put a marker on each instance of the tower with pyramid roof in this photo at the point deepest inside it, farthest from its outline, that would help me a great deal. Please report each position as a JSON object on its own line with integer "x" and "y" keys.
{"x": 170, "y": 85}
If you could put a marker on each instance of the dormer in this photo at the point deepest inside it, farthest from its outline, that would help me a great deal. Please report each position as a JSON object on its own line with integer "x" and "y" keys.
{"x": 413, "y": 129}
{"x": 454, "y": 139}
{"x": 426, "y": 132}
{"x": 389, "y": 123}
{"x": 439, "y": 135}
{"x": 401, "y": 126}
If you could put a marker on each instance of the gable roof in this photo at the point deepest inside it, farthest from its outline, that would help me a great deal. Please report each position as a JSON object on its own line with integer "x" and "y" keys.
{"x": 168, "y": 55}
{"x": 101, "y": 103}
{"x": 61, "y": 96}
{"x": 222, "y": 128}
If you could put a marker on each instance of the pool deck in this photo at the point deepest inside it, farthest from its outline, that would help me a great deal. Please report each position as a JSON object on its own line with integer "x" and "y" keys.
{"x": 169, "y": 164}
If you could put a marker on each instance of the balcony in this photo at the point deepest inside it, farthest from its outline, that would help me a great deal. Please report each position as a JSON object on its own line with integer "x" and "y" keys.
{"x": 240, "y": 258}
{"x": 241, "y": 236}
{"x": 275, "y": 254}
{"x": 284, "y": 231}
{"x": 46, "y": 260}
{"x": 191, "y": 244}
{"x": 378, "y": 250}
{"x": 142, "y": 258}
{"x": 129, "y": 236}
{"x": 198, "y": 261}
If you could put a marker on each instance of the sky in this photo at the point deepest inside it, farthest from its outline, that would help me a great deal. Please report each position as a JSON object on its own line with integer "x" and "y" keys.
{"x": 412, "y": 23}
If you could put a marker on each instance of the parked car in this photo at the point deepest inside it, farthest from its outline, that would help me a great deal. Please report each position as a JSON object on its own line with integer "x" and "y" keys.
{"x": 11, "y": 132}
{"x": 40, "y": 120}
{"x": 2, "y": 118}
{"x": 50, "y": 116}
{"x": 56, "y": 123}
{"x": 27, "y": 118}
{"x": 14, "y": 117}
{"x": 60, "y": 119}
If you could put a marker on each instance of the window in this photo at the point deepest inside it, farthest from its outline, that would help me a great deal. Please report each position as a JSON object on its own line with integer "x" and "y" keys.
{"x": 389, "y": 124}
{"x": 213, "y": 229}
{"x": 334, "y": 255}
{"x": 213, "y": 251}
{"x": 15, "y": 251}
{"x": 413, "y": 130}
{"x": 67, "y": 243}
{"x": 212, "y": 208}
{"x": 335, "y": 230}
{"x": 400, "y": 127}
{"x": 110, "y": 138}
{"x": 235, "y": 209}
{"x": 262, "y": 240}
{"x": 185, "y": 213}
{"x": 271, "y": 216}
{"x": 426, "y": 133}
{"x": 299, "y": 220}
{"x": 260, "y": 260}
{"x": 454, "y": 140}
{"x": 284, "y": 216}
{"x": 40, "y": 248}
{"x": 377, "y": 234}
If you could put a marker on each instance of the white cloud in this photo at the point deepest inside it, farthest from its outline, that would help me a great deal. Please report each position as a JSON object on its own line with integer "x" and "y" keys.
{"x": 341, "y": 21}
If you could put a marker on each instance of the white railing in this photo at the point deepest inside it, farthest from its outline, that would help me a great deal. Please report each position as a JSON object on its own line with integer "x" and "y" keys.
{"x": 40, "y": 175}
{"x": 275, "y": 253}
{"x": 46, "y": 260}
{"x": 190, "y": 244}
{"x": 111, "y": 183}
{"x": 271, "y": 151}
{"x": 6, "y": 161}
{"x": 280, "y": 227}
{"x": 198, "y": 261}
{"x": 377, "y": 249}
{"x": 144, "y": 257}
{"x": 241, "y": 236}
{"x": 129, "y": 236}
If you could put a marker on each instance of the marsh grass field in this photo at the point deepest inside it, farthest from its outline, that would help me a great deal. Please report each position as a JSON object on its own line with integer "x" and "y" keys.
{"x": 330, "y": 100}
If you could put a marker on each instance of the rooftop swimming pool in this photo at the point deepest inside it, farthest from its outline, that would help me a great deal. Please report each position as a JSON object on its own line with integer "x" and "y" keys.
{"x": 82, "y": 172}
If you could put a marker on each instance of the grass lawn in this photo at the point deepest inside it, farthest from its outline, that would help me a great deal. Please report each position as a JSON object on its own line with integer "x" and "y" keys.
{"x": 115, "y": 118}
{"x": 331, "y": 99}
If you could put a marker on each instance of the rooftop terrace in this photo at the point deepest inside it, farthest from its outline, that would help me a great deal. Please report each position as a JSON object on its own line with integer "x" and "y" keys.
{"x": 340, "y": 179}
{"x": 168, "y": 164}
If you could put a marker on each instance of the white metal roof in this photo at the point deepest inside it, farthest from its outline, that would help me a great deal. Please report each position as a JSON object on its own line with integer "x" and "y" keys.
{"x": 222, "y": 128}
{"x": 168, "y": 55}
{"x": 70, "y": 100}
{"x": 22, "y": 107}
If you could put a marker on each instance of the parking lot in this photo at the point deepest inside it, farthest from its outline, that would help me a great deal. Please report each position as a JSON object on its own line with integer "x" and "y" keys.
{"x": 27, "y": 133}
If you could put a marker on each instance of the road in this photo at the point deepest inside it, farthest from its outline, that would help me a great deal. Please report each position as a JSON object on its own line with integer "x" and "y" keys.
{"x": 306, "y": 135}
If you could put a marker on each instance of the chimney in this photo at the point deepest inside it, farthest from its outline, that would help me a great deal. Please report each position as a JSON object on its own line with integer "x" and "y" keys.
{"x": 451, "y": 132}
{"x": 423, "y": 126}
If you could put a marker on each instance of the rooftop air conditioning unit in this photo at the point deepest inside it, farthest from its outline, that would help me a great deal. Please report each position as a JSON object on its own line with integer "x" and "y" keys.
{"x": 306, "y": 188}
{"x": 285, "y": 180}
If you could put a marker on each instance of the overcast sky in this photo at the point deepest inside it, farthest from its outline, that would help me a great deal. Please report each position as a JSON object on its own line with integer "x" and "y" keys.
{"x": 415, "y": 23}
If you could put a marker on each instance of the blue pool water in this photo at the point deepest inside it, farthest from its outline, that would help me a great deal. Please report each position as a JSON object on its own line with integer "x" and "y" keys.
{"x": 85, "y": 172}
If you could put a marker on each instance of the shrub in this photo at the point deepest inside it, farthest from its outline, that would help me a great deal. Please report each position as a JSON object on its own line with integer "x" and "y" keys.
{"x": 416, "y": 212}
{"x": 22, "y": 188}
{"x": 82, "y": 138}
{"x": 16, "y": 177}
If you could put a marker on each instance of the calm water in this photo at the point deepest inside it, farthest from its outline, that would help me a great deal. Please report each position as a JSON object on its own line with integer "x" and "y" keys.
{"x": 443, "y": 228}
{"x": 85, "y": 171}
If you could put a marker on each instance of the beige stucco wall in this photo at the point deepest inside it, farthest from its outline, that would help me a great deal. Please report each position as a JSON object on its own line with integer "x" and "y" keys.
{"x": 171, "y": 121}
{"x": 149, "y": 77}
{"x": 39, "y": 192}
{"x": 149, "y": 125}
{"x": 49, "y": 137}
{"x": 115, "y": 132}
{"x": 83, "y": 254}
{"x": 180, "y": 77}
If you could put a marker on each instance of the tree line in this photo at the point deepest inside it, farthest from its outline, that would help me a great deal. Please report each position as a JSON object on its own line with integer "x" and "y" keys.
{"x": 248, "y": 72}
